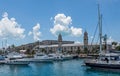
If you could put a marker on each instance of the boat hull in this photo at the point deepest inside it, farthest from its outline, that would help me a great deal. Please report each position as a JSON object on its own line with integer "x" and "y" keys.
{"x": 39, "y": 60}
{"x": 42, "y": 60}
{"x": 16, "y": 62}
{"x": 99, "y": 65}
{"x": 67, "y": 57}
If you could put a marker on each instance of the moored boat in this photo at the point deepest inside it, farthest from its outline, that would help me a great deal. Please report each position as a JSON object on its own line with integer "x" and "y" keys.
{"x": 16, "y": 59}
{"x": 40, "y": 57}
{"x": 56, "y": 56}
{"x": 67, "y": 57}
{"x": 105, "y": 60}
{"x": 17, "y": 62}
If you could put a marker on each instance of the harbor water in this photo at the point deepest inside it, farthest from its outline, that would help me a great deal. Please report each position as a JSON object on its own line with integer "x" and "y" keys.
{"x": 60, "y": 68}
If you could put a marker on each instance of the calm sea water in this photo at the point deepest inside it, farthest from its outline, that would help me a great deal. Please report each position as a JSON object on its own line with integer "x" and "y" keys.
{"x": 65, "y": 68}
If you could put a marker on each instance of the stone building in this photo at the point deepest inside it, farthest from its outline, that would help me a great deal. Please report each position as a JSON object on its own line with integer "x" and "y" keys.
{"x": 68, "y": 46}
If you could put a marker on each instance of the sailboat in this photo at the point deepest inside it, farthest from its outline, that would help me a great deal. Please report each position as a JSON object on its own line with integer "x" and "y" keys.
{"x": 105, "y": 60}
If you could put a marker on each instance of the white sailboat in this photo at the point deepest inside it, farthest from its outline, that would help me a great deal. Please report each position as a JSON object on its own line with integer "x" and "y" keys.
{"x": 105, "y": 60}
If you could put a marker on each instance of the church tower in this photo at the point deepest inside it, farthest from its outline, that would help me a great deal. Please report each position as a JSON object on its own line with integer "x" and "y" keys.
{"x": 85, "y": 39}
{"x": 59, "y": 42}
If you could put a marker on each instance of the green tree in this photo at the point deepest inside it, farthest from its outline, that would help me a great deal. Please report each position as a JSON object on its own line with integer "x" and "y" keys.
{"x": 114, "y": 43}
{"x": 78, "y": 51}
{"x": 118, "y": 48}
{"x": 12, "y": 46}
{"x": 86, "y": 50}
{"x": 33, "y": 52}
{"x": 28, "y": 51}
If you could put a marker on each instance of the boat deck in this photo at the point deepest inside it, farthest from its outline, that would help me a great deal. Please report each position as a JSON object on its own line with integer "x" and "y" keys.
{"x": 103, "y": 62}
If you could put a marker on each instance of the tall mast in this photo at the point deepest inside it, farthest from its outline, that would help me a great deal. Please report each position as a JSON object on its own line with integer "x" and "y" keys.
{"x": 100, "y": 27}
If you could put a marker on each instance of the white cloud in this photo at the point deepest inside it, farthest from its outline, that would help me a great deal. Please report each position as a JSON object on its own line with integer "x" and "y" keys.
{"x": 62, "y": 19}
{"x": 30, "y": 33}
{"x": 62, "y": 25}
{"x": 35, "y": 31}
{"x": 60, "y": 29}
{"x": 5, "y": 14}
{"x": 76, "y": 31}
{"x": 9, "y": 28}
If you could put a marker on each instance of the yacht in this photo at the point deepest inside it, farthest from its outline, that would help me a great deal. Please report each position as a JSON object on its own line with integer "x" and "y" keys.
{"x": 108, "y": 60}
{"x": 105, "y": 60}
{"x": 16, "y": 59}
{"x": 67, "y": 57}
{"x": 17, "y": 62}
{"x": 56, "y": 56}
{"x": 60, "y": 57}
{"x": 41, "y": 57}
{"x": 14, "y": 55}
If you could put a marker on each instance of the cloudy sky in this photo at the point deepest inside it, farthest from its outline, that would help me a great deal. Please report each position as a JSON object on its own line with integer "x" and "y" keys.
{"x": 26, "y": 21}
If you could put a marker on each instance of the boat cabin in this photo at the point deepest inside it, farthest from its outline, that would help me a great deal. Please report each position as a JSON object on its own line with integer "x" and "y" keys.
{"x": 110, "y": 56}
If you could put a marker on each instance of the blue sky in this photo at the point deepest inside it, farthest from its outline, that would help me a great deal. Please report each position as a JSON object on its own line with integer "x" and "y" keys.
{"x": 83, "y": 15}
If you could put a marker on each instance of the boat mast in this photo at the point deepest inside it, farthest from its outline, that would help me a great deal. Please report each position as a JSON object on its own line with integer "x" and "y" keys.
{"x": 100, "y": 27}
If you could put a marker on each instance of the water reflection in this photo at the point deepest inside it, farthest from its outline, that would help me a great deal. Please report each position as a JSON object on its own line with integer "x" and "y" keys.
{"x": 102, "y": 72}
{"x": 64, "y": 68}
{"x": 17, "y": 69}
{"x": 41, "y": 69}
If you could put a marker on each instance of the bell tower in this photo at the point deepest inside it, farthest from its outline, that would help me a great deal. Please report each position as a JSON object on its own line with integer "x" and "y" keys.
{"x": 59, "y": 42}
{"x": 85, "y": 39}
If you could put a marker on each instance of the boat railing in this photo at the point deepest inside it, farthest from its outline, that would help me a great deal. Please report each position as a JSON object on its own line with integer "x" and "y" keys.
{"x": 90, "y": 61}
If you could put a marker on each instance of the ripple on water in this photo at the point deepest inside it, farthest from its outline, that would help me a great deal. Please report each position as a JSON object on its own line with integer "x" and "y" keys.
{"x": 65, "y": 68}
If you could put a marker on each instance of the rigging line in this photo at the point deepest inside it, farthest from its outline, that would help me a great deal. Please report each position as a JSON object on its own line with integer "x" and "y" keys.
{"x": 94, "y": 35}
{"x": 97, "y": 40}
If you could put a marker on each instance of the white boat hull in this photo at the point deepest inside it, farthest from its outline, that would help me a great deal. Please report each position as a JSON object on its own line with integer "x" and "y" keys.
{"x": 17, "y": 62}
